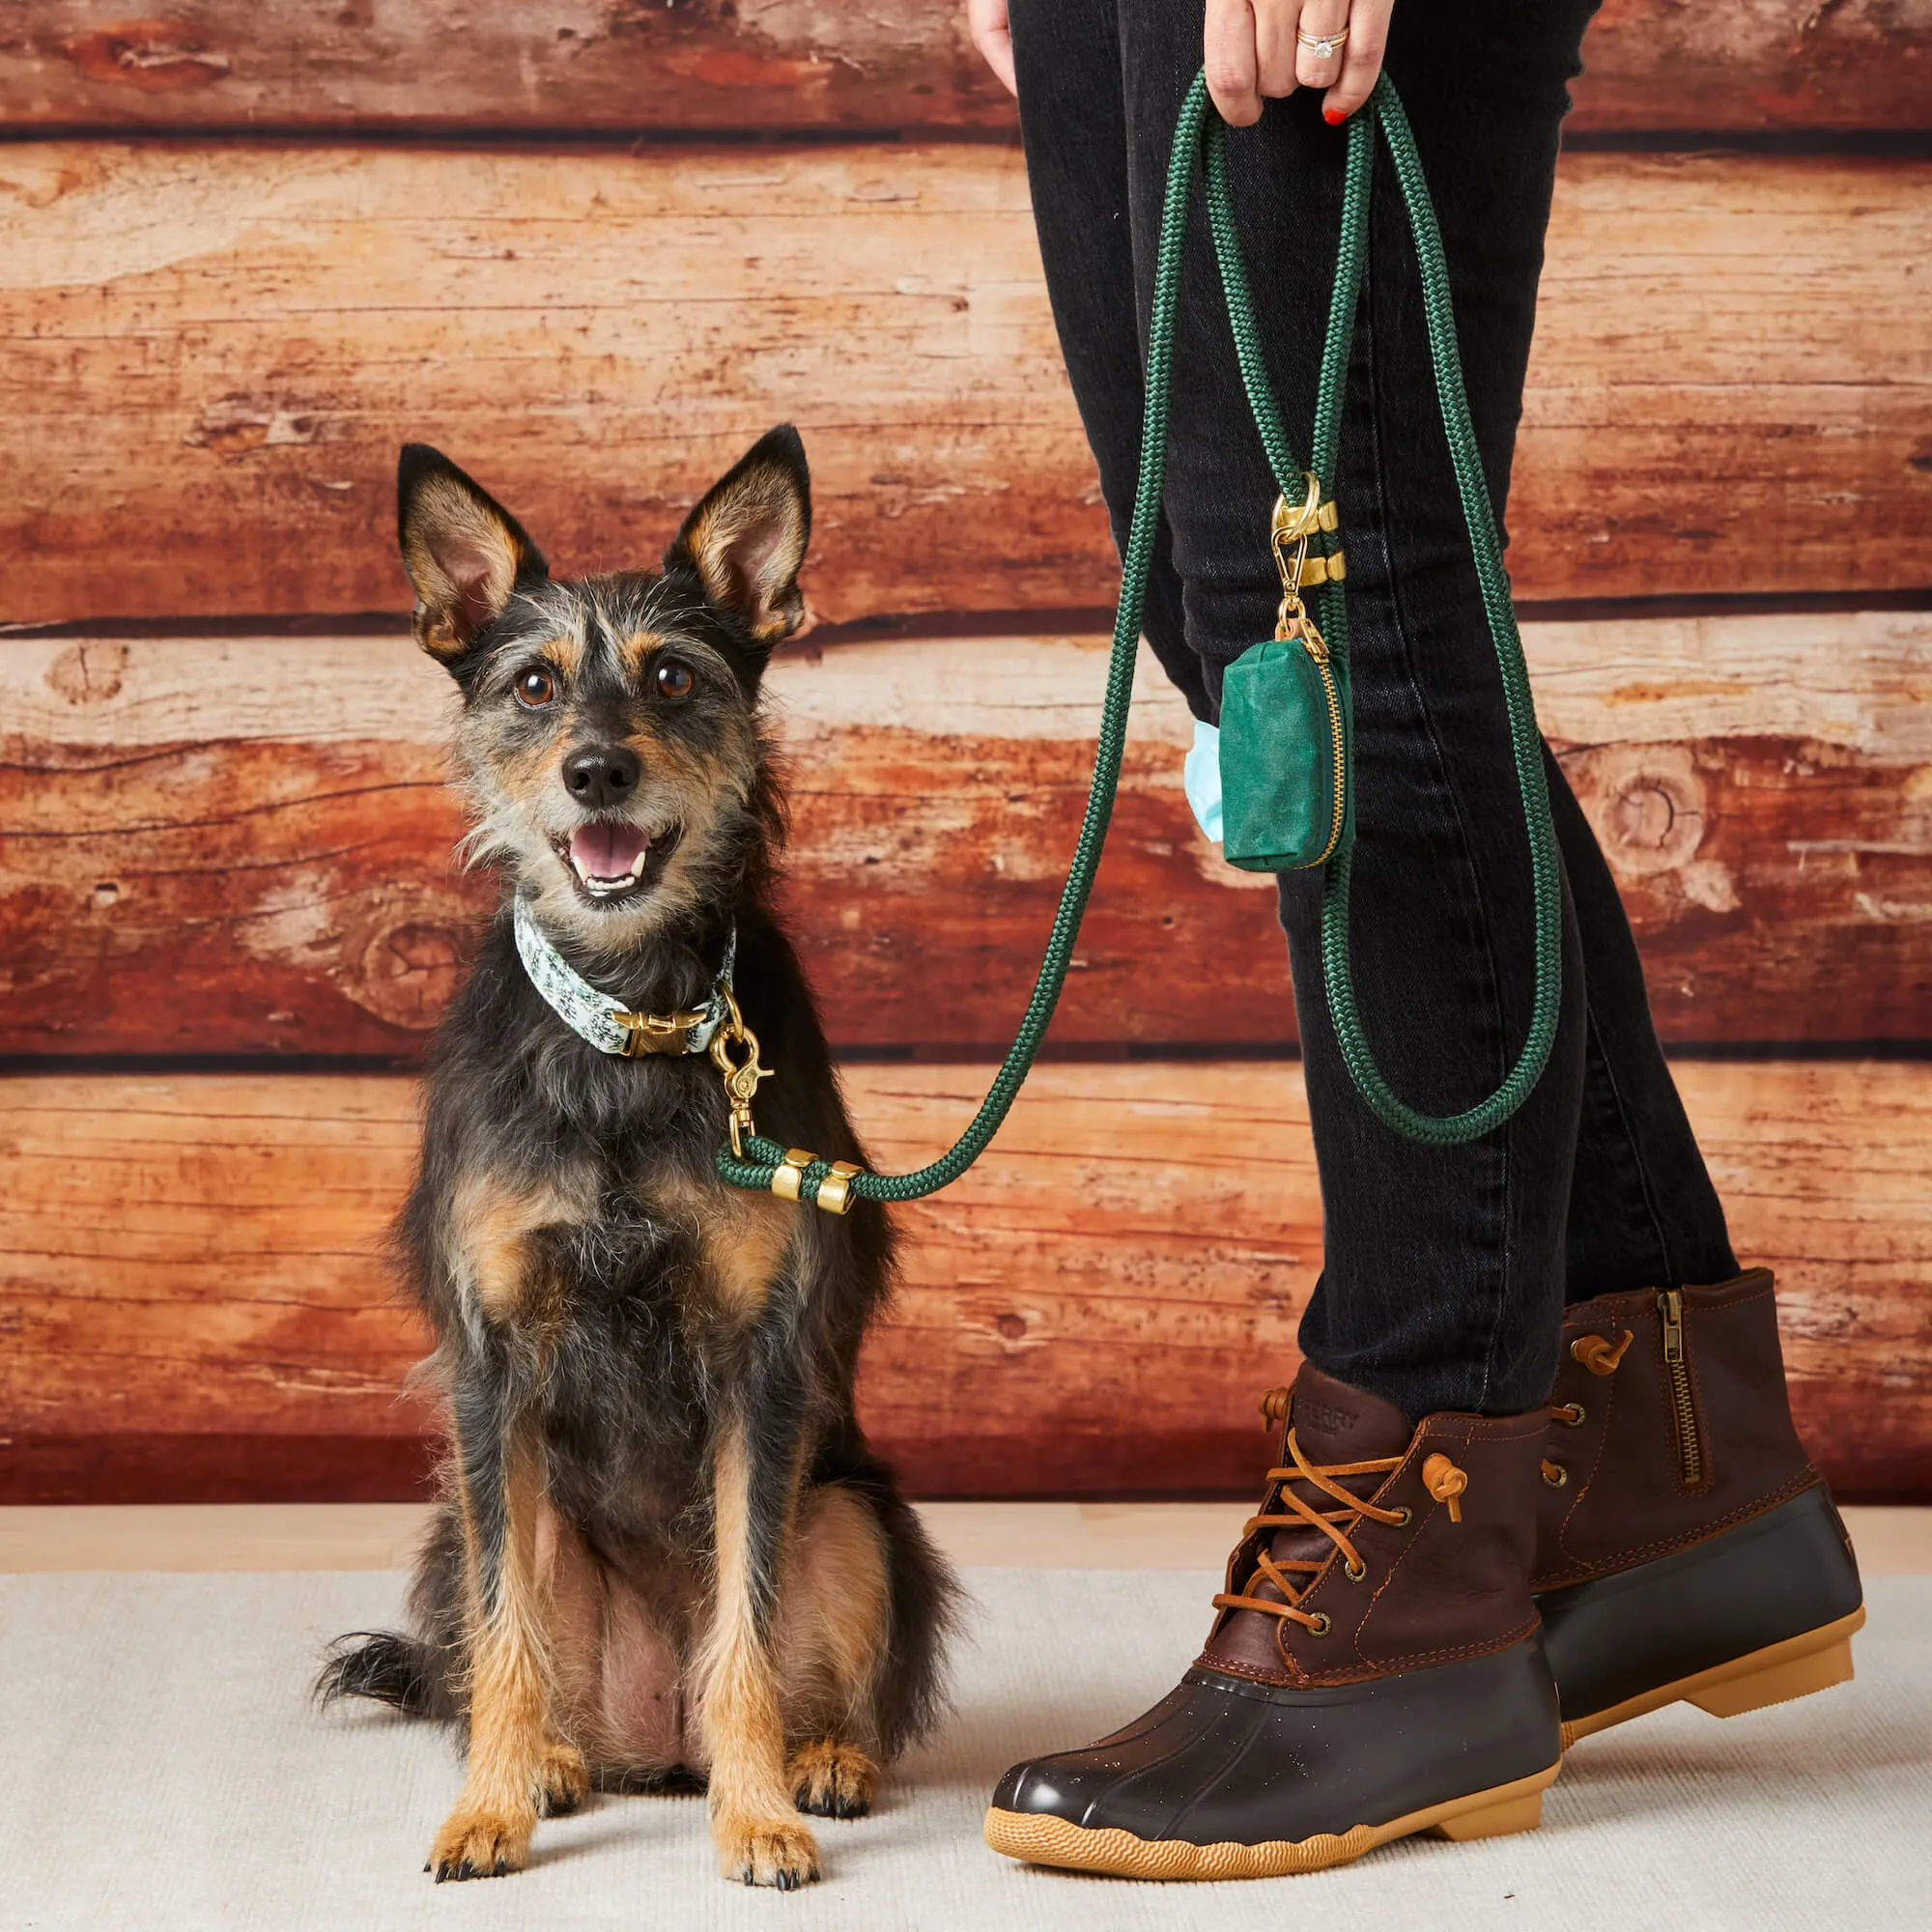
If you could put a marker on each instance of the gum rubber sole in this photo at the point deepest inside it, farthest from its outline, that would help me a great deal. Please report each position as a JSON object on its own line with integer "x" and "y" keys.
{"x": 1774, "y": 1675}
{"x": 1036, "y": 1838}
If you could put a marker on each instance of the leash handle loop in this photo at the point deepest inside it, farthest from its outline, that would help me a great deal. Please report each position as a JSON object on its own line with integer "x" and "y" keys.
{"x": 1200, "y": 141}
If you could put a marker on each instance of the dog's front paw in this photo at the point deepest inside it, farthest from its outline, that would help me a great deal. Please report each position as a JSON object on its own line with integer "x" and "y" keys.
{"x": 563, "y": 1780}
{"x": 476, "y": 1843}
{"x": 778, "y": 1852}
{"x": 834, "y": 1780}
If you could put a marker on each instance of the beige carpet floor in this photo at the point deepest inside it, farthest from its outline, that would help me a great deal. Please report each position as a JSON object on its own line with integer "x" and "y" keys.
{"x": 160, "y": 1769}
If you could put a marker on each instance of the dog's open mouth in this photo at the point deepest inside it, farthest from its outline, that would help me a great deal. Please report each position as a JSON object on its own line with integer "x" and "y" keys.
{"x": 613, "y": 860}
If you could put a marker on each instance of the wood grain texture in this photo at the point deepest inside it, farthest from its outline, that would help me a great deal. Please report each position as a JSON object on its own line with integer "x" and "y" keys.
{"x": 1745, "y": 64}
{"x": 213, "y": 352}
{"x": 636, "y": 65}
{"x": 1096, "y": 1308}
{"x": 243, "y": 845}
{"x": 762, "y": 64}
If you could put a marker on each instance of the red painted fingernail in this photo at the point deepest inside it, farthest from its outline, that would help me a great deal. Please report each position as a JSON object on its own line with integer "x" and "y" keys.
{"x": 1333, "y": 116}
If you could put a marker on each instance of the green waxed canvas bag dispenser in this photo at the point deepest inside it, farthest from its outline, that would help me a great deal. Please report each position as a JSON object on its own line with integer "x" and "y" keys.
{"x": 1284, "y": 759}
{"x": 1286, "y": 777}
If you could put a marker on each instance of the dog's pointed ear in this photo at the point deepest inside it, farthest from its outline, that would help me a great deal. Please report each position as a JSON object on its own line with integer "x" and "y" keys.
{"x": 746, "y": 539}
{"x": 464, "y": 552}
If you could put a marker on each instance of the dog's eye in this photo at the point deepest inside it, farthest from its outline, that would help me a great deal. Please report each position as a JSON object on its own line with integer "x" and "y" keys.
{"x": 676, "y": 680}
{"x": 535, "y": 688}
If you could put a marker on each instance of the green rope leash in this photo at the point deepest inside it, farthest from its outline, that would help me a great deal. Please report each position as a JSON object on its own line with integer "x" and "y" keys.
{"x": 1526, "y": 742}
{"x": 1201, "y": 135}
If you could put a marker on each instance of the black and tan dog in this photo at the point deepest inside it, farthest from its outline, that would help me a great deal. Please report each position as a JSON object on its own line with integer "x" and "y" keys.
{"x": 665, "y": 1553}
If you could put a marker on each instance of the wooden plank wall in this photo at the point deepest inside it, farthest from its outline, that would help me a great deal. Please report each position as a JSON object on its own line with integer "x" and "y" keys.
{"x": 1097, "y": 1307}
{"x": 239, "y": 844}
{"x": 1731, "y": 386}
{"x": 250, "y": 248}
{"x": 734, "y": 65}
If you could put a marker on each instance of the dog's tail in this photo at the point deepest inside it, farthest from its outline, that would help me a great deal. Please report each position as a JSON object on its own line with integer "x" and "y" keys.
{"x": 927, "y": 1606}
{"x": 420, "y": 1674}
{"x": 386, "y": 1666}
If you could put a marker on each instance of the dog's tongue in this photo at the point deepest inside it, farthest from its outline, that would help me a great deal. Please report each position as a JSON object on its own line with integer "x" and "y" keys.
{"x": 1332, "y": 1423}
{"x": 605, "y": 851}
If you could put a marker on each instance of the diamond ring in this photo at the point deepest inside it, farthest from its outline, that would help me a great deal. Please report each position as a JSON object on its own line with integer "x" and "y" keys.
{"x": 1322, "y": 46}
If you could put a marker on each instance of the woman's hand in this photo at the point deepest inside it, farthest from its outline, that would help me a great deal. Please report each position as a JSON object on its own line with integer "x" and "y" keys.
{"x": 987, "y": 22}
{"x": 1253, "y": 53}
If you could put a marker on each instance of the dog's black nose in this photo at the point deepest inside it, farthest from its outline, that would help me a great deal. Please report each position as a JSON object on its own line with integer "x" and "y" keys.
{"x": 601, "y": 776}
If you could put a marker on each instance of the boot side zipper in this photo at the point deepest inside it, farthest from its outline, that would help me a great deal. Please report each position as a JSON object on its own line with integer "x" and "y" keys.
{"x": 1684, "y": 1408}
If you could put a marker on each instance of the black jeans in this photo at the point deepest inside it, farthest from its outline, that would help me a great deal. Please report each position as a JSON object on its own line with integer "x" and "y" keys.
{"x": 1446, "y": 1269}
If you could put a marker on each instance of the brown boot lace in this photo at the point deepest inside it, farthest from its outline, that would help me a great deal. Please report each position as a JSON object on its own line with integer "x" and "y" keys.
{"x": 1598, "y": 1355}
{"x": 1601, "y": 1357}
{"x": 1444, "y": 1483}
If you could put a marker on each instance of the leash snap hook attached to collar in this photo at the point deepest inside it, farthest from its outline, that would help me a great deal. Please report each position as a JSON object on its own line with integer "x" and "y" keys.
{"x": 742, "y": 1078}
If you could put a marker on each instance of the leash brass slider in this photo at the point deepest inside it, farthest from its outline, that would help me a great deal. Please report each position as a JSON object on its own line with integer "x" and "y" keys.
{"x": 835, "y": 1191}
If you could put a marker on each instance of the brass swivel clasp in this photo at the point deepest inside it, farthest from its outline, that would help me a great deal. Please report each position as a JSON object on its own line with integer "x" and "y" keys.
{"x": 1288, "y": 534}
{"x": 741, "y": 1078}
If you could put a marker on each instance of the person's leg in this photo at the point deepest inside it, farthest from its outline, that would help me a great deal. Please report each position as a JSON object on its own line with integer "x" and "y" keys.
{"x": 1446, "y": 1269}
{"x": 1642, "y": 1210}
{"x": 1641, "y": 1207}
{"x": 1443, "y": 1269}
{"x": 1376, "y": 1671}
{"x": 1687, "y": 1547}
{"x": 1074, "y": 126}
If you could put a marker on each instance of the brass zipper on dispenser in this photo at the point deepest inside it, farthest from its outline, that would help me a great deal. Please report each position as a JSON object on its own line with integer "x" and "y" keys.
{"x": 1334, "y": 697}
{"x": 1683, "y": 1406}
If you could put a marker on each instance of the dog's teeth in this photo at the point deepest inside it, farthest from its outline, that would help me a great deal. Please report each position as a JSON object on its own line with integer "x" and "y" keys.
{"x": 602, "y": 885}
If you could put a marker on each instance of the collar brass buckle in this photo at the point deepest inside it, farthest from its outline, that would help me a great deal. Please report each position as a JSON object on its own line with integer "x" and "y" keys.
{"x": 659, "y": 1033}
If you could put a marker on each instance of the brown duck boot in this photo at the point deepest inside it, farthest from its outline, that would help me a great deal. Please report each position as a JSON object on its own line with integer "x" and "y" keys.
{"x": 1686, "y": 1548}
{"x": 1375, "y": 1669}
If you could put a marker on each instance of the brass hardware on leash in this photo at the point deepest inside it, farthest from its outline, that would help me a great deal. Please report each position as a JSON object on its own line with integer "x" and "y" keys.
{"x": 741, "y": 1086}
{"x": 835, "y": 1191}
{"x": 741, "y": 1081}
{"x": 1288, "y": 534}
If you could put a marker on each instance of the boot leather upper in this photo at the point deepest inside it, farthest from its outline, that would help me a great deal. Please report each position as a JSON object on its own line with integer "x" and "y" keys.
{"x": 1435, "y": 1588}
{"x": 1623, "y": 1497}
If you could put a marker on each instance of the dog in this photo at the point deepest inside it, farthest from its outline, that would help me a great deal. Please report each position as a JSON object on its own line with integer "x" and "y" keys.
{"x": 665, "y": 1558}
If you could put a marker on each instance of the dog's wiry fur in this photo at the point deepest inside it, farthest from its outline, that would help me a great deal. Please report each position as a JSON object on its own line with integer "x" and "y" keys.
{"x": 665, "y": 1554}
